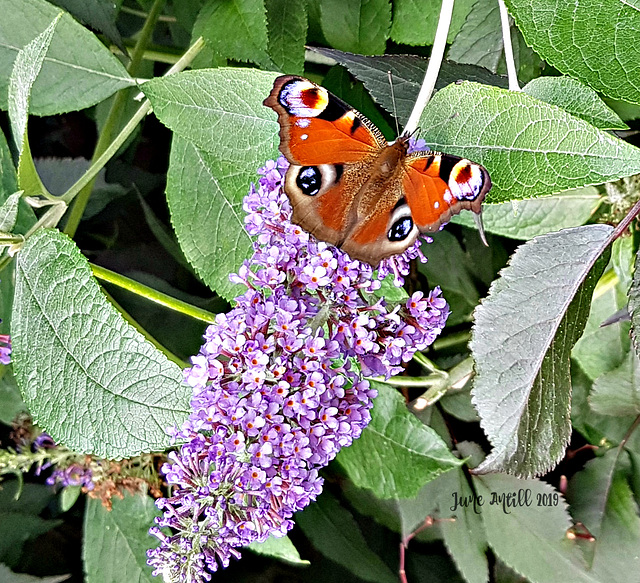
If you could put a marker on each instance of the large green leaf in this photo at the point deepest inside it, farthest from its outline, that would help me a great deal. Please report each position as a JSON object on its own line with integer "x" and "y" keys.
{"x": 530, "y": 148}
{"x": 115, "y": 542}
{"x": 235, "y": 29}
{"x": 595, "y": 41}
{"x": 70, "y": 79}
{"x": 278, "y": 548}
{"x": 220, "y": 111}
{"x": 334, "y": 532}
{"x": 415, "y": 23}
{"x": 531, "y": 537}
{"x": 525, "y": 219}
{"x": 89, "y": 379}
{"x": 522, "y": 340}
{"x": 396, "y": 454}
{"x": 358, "y": 26}
{"x": 205, "y": 195}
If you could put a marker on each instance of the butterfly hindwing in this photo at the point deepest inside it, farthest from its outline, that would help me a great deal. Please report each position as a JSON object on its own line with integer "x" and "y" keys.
{"x": 438, "y": 186}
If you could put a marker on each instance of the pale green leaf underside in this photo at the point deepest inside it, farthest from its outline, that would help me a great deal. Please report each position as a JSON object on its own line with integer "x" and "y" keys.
{"x": 9, "y": 212}
{"x": 634, "y": 305}
{"x": 116, "y": 541}
{"x": 396, "y": 454}
{"x": 69, "y": 80}
{"x": 522, "y": 338}
{"x": 89, "y": 379}
{"x": 595, "y": 41}
{"x": 205, "y": 195}
{"x": 577, "y": 99}
{"x": 525, "y": 219}
{"x": 530, "y": 148}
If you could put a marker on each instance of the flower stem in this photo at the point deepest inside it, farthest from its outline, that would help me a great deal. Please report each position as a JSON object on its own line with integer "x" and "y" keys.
{"x": 435, "y": 61}
{"x": 512, "y": 73}
{"x": 151, "y": 294}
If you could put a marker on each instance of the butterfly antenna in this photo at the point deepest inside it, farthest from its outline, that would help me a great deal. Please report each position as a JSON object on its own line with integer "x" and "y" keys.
{"x": 393, "y": 100}
{"x": 477, "y": 219}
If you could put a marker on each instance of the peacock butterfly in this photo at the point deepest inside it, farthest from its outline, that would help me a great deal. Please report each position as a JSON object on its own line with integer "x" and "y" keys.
{"x": 350, "y": 187}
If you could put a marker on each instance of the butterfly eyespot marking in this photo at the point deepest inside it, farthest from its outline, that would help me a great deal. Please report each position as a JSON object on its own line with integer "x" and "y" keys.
{"x": 401, "y": 229}
{"x": 466, "y": 180}
{"x": 301, "y": 98}
{"x": 309, "y": 180}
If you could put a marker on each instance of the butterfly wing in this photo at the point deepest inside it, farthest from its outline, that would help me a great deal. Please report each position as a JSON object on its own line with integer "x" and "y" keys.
{"x": 331, "y": 148}
{"x": 438, "y": 186}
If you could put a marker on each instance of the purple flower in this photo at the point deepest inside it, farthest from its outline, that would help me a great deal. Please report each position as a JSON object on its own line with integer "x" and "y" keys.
{"x": 276, "y": 392}
{"x": 5, "y": 349}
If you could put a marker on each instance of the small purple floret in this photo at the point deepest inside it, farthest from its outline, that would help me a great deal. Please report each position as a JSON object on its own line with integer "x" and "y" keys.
{"x": 275, "y": 390}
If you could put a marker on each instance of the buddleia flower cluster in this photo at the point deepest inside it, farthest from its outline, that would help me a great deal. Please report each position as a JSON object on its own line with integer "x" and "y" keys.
{"x": 279, "y": 386}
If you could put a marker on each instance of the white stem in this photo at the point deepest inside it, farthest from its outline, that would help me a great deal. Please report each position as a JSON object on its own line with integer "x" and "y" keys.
{"x": 512, "y": 74}
{"x": 435, "y": 61}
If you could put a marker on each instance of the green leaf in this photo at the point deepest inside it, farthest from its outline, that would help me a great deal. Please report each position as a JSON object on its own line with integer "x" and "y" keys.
{"x": 522, "y": 339}
{"x": 525, "y": 219}
{"x": 604, "y": 348}
{"x": 577, "y": 99}
{"x": 359, "y": 26}
{"x": 116, "y": 542}
{"x": 205, "y": 196}
{"x": 8, "y": 177}
{"x": 407, "y": 75}
{"x": 89, "y": 379}
{"x": 19, "y": 517}
{"x": 279, "y": 548}
{"x": 617, "y": 392}
{"x": 9, "y": 212}
{"x": 68, "y": 497}
{"x": 333, "y": 532}
{"x": 415, "y": 23}
{"x": 98, "y": 14}
{"x": 26, "y": 69}
{"x": 8, "y": 576}
{"x": 464, "y": 537}
{"x": 10, "y": 400}
{"x": 70, "y": 80}
{"x": 574, "y": 45}
{"x": 220, "y": 111}
{"x": 480, "y": 43}
{"x": 530, "y": 148}
{"x": 235, "y": 29}
{"x": 531, "y": 539}
{"x": 287, "y": 28}
{"x": 602, "y": 500}
{"x": 396, "y": 454}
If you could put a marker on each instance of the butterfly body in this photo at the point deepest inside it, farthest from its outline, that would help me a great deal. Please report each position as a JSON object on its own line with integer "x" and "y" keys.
{"x": 350, "y": 187}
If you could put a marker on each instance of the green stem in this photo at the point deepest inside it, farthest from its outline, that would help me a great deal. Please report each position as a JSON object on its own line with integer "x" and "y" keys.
{"x": 151, "y": 294}
{"x": 451, "y": 340}
{"x": 421, "y": 382}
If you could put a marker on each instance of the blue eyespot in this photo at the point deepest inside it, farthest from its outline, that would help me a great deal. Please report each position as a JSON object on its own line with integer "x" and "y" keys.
{"x": 309, "y": 180}
{"x": 401, "y": 229}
